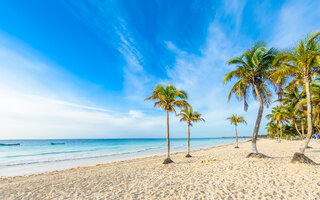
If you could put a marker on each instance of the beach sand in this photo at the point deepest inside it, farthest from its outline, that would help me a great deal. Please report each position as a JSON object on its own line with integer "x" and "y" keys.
{"x": 221, "y": 172}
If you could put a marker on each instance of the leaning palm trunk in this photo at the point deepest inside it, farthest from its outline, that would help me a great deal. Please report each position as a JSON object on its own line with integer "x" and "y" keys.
{"x": 257, "y": 125}
{"x": 188, "y": 153}
{"x": 168, "y": 160}
{"x": 235, "y": 127}
{"x": 296, "y": 126}
{"x": 299, "y": 156}
{"x": 309, "y": 117}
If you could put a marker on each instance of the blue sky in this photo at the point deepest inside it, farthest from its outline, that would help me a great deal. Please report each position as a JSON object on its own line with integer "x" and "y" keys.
{"x": 82, "y": 69}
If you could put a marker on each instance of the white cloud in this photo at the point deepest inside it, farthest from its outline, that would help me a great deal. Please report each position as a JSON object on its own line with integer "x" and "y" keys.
{"x": 136, "y": 113}
{"x": 40, "y": 100}
{"x": 106, "y": 19}
{"x": 37, "y": 100}
{"x": 295, "y": 20}
{"x": 202, "y": 77}
{"x": 235, "y": 8}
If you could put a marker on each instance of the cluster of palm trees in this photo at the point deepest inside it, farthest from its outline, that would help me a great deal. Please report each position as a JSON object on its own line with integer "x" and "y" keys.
{"x": 262, "y": 72}
{"x": 291, "y": 74}
{"x": 169, "y": 98}
{"x": 289, "y": 117}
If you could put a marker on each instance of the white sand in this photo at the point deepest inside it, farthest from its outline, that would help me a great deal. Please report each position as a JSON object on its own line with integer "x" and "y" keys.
{"x": 215, "y": 173}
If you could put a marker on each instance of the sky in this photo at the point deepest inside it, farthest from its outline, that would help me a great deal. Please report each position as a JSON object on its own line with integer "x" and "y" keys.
{"x": 82, "y": 69}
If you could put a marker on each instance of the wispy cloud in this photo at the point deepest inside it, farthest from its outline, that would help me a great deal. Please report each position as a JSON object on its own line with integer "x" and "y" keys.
{"x": 38, "y": 100}
{"x": 108, "y": 22}
{"x": 296, "y": 19}
{"x": 201, "y": 75}
{"x": 234, "y": 9}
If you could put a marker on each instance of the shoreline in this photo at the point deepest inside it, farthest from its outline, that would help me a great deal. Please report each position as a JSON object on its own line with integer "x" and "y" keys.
{"x": 115, "y": 161}
{"x": 218, "y": 172}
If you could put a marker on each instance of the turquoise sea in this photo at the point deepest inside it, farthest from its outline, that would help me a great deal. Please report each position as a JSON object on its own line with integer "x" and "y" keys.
{"x": 36, "y": 156}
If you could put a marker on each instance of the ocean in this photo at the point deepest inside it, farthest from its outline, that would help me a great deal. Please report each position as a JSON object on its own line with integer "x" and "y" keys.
{"x": 37, "y": 156}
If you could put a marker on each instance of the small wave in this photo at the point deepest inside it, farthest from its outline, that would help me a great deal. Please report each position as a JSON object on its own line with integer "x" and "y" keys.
{"x": 74, "y": 158}
{"x": 42, "y": 154}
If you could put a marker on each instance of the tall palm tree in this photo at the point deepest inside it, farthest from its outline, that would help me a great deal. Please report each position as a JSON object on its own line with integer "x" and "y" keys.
{"x": 167, "y": 98}
{"x": 301, "y": 63}
{"x": 234, "y": 119}
{"x": 188, "y": 115}
{"x": 252, "y": 74}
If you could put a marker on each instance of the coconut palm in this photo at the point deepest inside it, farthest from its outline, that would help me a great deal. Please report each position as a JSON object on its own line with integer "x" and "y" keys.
{"x": 291, "y": 97}
{"x": 293, "y": 116}
{"x": 279, "y": 116}
{"x": 252, "y": 75}
{"x": 234, "y": 119}
{"x": 167, "y": 98}
{"x": 301, "y": 63}
{"x": 188, "y": 115}
{"x": 272, "y": 129}
{"x": 315, "y": 99}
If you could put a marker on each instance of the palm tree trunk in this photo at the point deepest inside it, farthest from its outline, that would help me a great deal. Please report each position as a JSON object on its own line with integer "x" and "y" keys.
{"x": 302, "y": 128}
{"x": 235, "y": 127}
{"x": 280, "y": 132}
{"x": 309, "y": 116}
{"x": 168, "y": 160}
{"x": 188, "y": 153}
{"x": 257, "y": 125}
{"x": 296, "y": 126}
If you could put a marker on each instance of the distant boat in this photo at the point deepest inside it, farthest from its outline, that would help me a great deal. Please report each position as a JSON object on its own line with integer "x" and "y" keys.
{"x": 57, "y": 143}
{"x": 2, "y": 144}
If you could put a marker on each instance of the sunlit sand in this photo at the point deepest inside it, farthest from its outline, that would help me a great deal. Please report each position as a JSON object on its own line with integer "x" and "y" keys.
{"x": 221, "y": 172}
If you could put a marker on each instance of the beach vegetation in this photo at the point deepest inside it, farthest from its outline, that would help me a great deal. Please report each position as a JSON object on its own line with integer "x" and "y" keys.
{"x": 300, "y": 65}
{"x": 252, "y": 76}
{"x": 168, "y": 97}
{"x": 188, "y": 115}
{"x": 234, "y": 119}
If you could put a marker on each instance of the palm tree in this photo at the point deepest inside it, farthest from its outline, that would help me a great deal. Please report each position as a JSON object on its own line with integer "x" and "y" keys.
{"x": 272, "y": 128}
{"x": 167, "y": 98}
{"x": 315, "y": 99}
{"x": 315, "y": 91}
{"x": 252, "y": 74}
{"x": 280, "y": 116}
{"x": 189, "y": 116}
{"x": 291, "y": 98}
{"x": 234, "y": 119}
{"x": 293, "y": 115}
{"x": 301, "y": 63}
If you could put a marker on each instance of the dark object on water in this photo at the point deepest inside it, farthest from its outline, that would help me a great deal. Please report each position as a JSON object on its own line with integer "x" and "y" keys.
{"x": 57, "y": 143}
{"x": 2, "y": 144}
